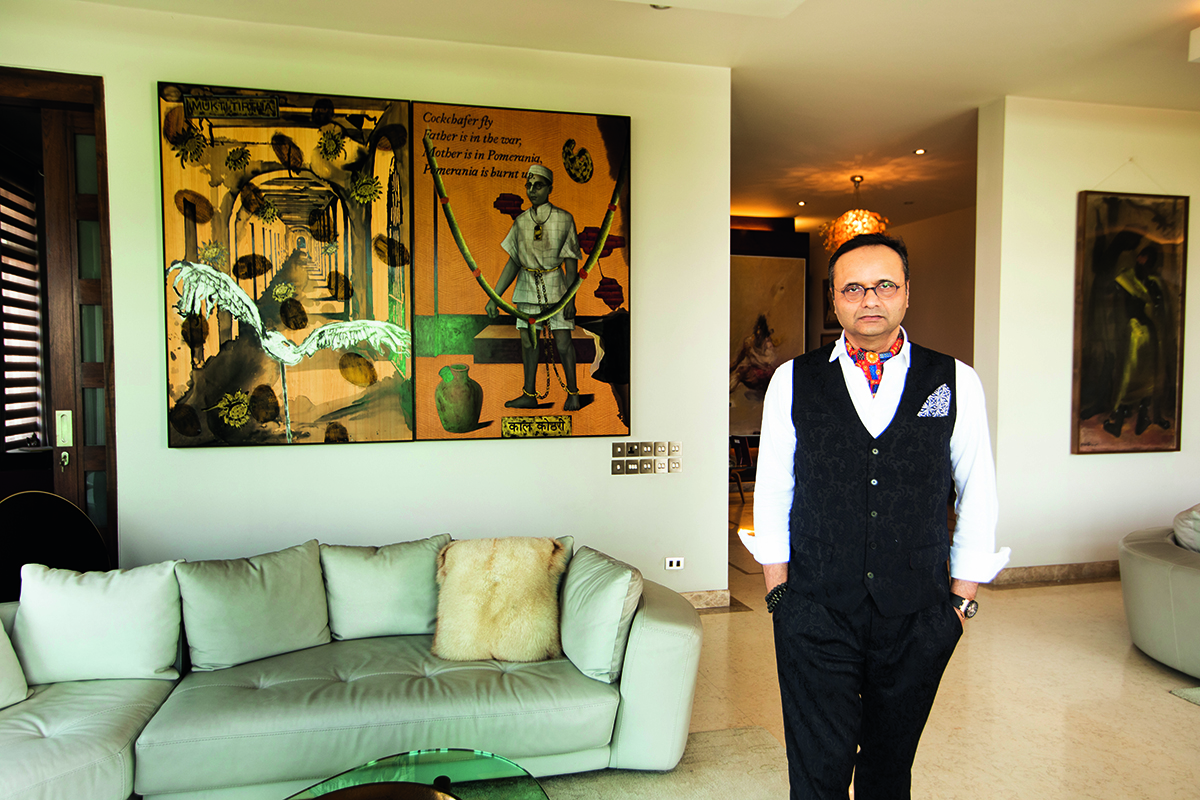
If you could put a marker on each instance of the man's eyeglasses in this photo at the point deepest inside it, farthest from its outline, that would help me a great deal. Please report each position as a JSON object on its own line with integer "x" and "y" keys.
{"x": 884, "y": 290}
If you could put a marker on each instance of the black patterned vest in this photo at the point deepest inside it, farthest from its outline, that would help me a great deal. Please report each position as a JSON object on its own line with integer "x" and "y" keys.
{"x": 869, "y": 515}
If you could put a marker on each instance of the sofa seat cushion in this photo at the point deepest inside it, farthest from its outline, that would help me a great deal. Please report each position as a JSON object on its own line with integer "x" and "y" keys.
{"x": 317, "y": 712}
{"x": 73, "y": 740}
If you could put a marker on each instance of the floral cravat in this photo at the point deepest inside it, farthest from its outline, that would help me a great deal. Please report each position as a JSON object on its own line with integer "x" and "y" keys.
{"x": 871, "y": 363}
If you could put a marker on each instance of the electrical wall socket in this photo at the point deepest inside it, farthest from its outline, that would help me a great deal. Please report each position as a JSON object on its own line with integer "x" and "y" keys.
{"x": 647, "y": 449}
{"x": 660, "y": 449}
{"x": 646, "y": 466}
{"x": 674, "y": 448}
{"x": 618, "y": 449}
{"x": 674, "y": 562}
{"x": 674, "y": 465}
{"x": 618, "y": 467}
{"x": 660, "y": 465}
{"x": 631, "y": 466}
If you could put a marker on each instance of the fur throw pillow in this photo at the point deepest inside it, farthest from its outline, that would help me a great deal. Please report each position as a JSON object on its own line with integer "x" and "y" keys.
{"x": 498, "y": 599}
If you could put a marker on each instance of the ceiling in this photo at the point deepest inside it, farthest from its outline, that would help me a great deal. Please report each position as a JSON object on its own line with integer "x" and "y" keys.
{"x": 823, "y": 89}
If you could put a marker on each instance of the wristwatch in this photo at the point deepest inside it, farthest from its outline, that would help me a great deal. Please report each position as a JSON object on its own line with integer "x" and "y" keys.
{"x": 969, "y": 608}
{"x": 774, "y": 596}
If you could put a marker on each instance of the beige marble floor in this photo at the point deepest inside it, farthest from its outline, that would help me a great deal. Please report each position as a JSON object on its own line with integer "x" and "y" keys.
{"x": 1045, "y": 697}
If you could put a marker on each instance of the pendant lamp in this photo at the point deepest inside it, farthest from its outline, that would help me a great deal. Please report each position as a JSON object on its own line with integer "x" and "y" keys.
{"x": 855, "y": 221}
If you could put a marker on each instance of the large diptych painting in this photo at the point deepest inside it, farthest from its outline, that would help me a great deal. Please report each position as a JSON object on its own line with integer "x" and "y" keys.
{"x": 320, "y": 289}
{"x": 1130, "y": 277}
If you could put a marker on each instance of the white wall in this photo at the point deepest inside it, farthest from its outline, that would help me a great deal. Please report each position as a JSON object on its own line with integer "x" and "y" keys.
{"x": 239, "y": 501}
{"x": 1035, "y": 156}
{"x": 941, "y": 257}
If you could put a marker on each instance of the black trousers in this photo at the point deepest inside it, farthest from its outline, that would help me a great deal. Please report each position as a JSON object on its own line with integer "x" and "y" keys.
{"x": 856, "y": 690}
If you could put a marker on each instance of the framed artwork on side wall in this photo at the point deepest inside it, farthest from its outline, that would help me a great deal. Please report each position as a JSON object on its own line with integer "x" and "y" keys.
{"x": 1131, "y": 265}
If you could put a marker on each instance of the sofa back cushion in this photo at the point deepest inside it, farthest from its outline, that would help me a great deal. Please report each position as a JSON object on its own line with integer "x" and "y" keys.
{"x": 244, "y": 609}
{"x": 1187, "y": 528}
{"x": 498, "y": 599}
{"x": 599, "y": 598}
{"x": 79, "y": 626}
{"x": 13, "y": 688}
{"x": 382, "y": 591}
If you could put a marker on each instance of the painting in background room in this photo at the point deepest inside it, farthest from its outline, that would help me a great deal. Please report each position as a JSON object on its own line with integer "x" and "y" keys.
{"x": 766, "y": 329}
{"x": 531, "y": 215}
{"x": 1130, "y": 276}
{"x": 287, "y": 236}
{"x": 829, "y": 319}
{"x": 296, "y": 257}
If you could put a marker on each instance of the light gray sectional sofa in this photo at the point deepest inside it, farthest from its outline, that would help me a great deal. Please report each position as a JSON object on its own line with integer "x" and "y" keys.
{"x": 316, "y": 659}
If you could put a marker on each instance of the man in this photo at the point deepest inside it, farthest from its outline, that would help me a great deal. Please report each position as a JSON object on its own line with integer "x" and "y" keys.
{"x": 540, "y": 243}
{"x": 862, "y": 441}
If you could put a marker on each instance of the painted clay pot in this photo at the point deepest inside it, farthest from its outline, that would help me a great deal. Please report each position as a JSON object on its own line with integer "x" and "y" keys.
{"x": 459, "y": 399}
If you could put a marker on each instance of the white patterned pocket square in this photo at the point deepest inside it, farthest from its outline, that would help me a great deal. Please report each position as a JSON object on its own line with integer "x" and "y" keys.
{"x": 937, "y": 404}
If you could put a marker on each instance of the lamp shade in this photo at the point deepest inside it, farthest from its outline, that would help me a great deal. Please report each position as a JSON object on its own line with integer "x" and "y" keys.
{"x": 855, "y": 221}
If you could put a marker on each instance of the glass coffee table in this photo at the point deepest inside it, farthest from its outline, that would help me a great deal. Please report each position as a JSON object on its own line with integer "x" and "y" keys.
{"x": 431, "y": 775}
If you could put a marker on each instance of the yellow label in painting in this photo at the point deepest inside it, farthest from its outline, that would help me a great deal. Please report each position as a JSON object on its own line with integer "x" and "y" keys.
{"x": 540, "y": 427}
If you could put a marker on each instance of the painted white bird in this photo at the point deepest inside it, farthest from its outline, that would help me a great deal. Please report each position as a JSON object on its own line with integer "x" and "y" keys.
{"x": 202, "y": 290}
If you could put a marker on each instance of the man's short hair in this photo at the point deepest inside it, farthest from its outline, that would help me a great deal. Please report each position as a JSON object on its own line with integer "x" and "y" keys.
{"x": 893, "y": 243}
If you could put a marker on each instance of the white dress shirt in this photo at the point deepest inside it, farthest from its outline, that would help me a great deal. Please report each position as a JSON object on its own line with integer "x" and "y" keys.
{"x": 973, "y": 555}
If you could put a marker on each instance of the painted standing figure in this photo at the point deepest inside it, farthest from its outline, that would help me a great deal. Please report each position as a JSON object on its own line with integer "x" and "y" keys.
{"x": 540, "y": 244}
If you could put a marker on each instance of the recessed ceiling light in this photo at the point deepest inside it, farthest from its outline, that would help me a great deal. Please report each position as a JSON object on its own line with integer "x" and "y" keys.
{"x": 920, "y": 151}
{"x": 800, "y": 203}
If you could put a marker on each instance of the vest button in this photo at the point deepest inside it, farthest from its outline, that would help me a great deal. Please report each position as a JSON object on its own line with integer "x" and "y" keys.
{"x": 874, "y": 546}
{"x": 874, "y": 482}
{"x": 874, "y": 513}
{"x": 875, "y": 451}
{"x": 871, "y": 575}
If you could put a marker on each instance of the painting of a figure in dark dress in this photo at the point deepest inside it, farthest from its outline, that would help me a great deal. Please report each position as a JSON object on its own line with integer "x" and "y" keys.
{"x": 1130, "y": 270}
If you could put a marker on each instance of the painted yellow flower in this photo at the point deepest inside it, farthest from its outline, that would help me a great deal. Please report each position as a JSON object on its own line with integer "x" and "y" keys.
{"x": 234, "y": 409}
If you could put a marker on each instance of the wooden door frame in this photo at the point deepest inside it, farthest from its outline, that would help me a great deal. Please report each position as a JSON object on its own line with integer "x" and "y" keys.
{"x": 67, "y": 91}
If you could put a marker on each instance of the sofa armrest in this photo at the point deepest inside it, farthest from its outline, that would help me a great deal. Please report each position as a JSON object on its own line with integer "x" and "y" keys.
{"x": 1160, "y": 584}
{"x": 658, "y": 682}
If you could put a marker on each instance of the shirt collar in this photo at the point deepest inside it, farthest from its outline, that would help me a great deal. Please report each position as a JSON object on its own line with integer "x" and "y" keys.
{"x": 839, "y": 347}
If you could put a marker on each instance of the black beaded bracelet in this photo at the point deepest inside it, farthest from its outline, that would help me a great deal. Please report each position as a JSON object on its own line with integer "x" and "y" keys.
{"x": 774, "y": 596}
